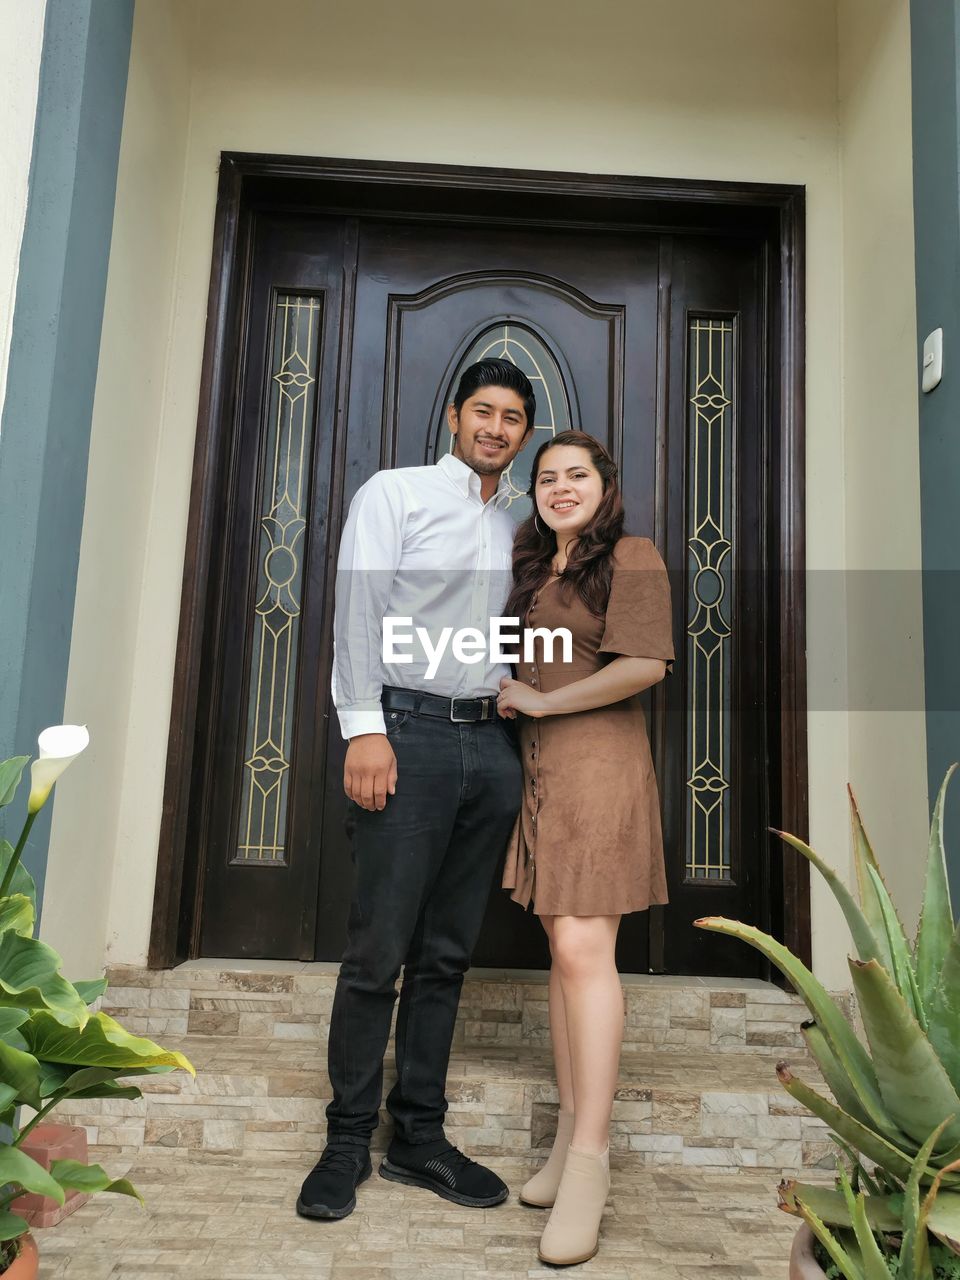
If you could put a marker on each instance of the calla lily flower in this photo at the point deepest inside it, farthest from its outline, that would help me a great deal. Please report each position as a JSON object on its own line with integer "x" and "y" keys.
{"x": 59, "y": 747}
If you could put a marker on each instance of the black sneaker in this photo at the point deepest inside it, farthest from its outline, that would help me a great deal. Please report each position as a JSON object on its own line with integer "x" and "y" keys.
{"x": 329, "y": 1189}
{"x": 440, "y": 1167}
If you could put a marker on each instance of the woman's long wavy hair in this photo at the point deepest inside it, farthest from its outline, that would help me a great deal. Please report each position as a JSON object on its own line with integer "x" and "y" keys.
{"x": 589, "y": 567}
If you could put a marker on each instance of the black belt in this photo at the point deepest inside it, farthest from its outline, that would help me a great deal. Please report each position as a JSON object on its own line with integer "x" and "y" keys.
{"x": 459, "y": 710}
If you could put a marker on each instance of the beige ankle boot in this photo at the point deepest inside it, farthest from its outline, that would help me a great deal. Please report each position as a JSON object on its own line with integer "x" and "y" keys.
{"x": 572, "y": 1233}
{"x": 541, "y": 1191}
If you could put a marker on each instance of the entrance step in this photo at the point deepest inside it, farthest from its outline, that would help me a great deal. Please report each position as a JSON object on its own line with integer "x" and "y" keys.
{"x": 254, "y": 1095}
{"x": 289, "y": 1001}
{"x": 697, "y": 1085}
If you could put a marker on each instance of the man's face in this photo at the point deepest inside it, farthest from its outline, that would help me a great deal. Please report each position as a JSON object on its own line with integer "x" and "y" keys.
{"x": 490, "y": 429}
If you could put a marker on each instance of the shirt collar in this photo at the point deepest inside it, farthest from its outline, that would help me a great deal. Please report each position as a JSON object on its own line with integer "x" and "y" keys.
{"x": 467, "y": 480}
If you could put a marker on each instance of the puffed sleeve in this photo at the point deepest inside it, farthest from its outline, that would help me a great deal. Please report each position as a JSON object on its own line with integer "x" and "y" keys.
{"x": 638, "y": 621}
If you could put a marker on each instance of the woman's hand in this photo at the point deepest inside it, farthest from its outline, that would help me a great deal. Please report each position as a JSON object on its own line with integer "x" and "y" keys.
{"x": 516, "y": 696}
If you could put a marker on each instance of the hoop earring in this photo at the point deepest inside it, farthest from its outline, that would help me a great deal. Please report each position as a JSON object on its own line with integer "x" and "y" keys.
{"x": 536, "y": 525}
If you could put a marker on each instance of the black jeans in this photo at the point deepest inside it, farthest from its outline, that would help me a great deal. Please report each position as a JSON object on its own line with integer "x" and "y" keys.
{"x": 424, "y": 866}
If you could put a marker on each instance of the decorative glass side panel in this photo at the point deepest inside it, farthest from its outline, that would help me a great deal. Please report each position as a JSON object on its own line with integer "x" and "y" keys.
{"x": 710, "y": 407}
{"x": 286, "y": 451}
{"x": 522, "y": 347}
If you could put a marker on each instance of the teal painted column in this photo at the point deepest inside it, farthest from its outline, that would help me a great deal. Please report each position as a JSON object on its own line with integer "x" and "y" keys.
{"x": 935, "y": 25}
{"x": 55, "y": 345}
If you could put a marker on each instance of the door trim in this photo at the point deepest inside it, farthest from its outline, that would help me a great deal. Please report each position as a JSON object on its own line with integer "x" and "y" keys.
{"x": 249, "y": 183}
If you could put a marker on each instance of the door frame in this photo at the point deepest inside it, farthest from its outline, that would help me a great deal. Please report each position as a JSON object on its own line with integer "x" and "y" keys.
{"x": 249, "y": 183}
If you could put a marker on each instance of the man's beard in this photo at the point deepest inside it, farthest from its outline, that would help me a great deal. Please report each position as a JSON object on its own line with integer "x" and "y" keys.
{"x": 481, "y": 465}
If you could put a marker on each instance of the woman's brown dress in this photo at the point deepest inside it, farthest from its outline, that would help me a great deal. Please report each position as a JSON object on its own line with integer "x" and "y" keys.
{"x": 587, "y": 841}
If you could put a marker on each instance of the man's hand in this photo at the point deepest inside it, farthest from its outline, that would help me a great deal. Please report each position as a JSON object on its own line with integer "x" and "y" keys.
{"x": 370, "y": 770}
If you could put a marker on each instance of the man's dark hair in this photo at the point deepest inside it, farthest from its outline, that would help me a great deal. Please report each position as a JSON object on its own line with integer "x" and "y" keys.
{"x": 496, "y": 373}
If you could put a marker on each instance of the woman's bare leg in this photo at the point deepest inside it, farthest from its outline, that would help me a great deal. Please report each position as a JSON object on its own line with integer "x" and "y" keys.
{"x": 584, "y": 960}
{"x": 558, "y": 1030}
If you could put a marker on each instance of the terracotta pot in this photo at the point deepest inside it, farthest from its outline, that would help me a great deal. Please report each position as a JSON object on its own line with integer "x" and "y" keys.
{"x": 26, "y": 1265}
{"x": 46, "y": 1143}
{"x": 803, "y": 1263}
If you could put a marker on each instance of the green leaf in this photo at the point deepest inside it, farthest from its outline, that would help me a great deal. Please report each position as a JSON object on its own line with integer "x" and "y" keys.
{"x": 101, "y": 1042}
{"x": 901, "y": 965}
{"x": 863, "y": 859}
{"x": 22, "y": 881}
{"x": 935, "y": 930}
{"x": 16, "y": 913}
{"x": 943, "y": 1012}
{"x": 17, "y": 1167}
{"x": 91, "y": 989}
{"x": 30, "y": 978}
{"x": 10, "y": 773}
{"x": 10, "y": 1019}
{"x": 11, "y": 1225}
{"x": 944, "y": 1219}
{"x": 861, "y": 1176}
{"x": 73, "y": 1175}
{"x": 837, "y": 1080}
{"x": 915, "y": 1249}
{"x": 868, "y": 946}
{"x": 838, "y": 1255}
{"x": 108, "y": 1090}
{"x": 100, "y": 1082}
{"x": 21, "y": 1071}
{"x": 847, "y": 1049}
{"x": 884, "y": 1213}
{"x": 916, "y": 1090}
{"x": 871, "y": 1256}
{"x": 863, "y": 1139}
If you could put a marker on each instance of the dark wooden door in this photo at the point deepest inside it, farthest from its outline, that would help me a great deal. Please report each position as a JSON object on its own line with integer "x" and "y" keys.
{"x": 357, "y": 329}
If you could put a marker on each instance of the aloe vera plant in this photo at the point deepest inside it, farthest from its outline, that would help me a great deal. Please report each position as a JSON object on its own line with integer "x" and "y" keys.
{"x": 895, "y": 1109}
{"x": 51, "y": 1046}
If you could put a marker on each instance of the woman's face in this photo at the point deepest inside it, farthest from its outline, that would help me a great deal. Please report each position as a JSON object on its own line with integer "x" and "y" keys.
{"x": 568, "y": 488}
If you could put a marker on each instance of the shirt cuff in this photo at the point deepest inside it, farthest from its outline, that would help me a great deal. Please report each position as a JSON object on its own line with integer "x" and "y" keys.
{"x": 361, "y": 719}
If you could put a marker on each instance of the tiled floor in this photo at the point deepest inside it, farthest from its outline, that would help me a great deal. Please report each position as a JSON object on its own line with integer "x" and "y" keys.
{"x": 221, "y": 1218}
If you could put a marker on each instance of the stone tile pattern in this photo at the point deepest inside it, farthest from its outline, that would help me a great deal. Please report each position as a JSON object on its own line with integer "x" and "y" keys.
{"x": 225, "y": 1217}
{"x": 296, "y": 1006}
{"x": 258, "y": 1043}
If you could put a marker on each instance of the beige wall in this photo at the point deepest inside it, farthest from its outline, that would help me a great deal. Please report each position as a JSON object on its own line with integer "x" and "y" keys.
{"x": 115, "y": 813}
{"x": 745, "y": 90}
{"x": 887, "y": 764}
{"x": 21, "y": 42}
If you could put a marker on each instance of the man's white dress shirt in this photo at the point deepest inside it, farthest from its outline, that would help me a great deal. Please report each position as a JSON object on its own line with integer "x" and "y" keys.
{"x": 419, "y": 543}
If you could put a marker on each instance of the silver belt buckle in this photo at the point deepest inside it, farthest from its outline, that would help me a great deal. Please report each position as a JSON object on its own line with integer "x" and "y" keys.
{"x": 460, "y": 719}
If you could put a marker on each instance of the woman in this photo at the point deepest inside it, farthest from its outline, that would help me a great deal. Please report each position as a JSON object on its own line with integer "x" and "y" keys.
{"x": 587, "y": 846}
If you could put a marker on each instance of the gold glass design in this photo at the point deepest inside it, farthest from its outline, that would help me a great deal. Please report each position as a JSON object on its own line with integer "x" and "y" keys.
{"x": 522, "y": 347}
{"x": 287, "y": 447}
{"x": 710, "y": 385}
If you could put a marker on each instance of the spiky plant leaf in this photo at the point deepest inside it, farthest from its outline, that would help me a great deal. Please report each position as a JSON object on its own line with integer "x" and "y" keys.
{"x": 838, "y": 1082}
{"x": 935, "y": 930}
{"x": 916, "y": 1091}
{"x": 863, "y": 859}
{"x": 847, "y": 1049}
{"x": 915, "y": 1249}
{"x": 933, "y": 1197}
{"x": 901, "y": 964}
{"x": 884, "y": 1213}
{"x": 943, "y": 1013}
{"x": 838, "y": 1255}
{"x": 869, "y": 1143}
{"x": 867, "y": 944}
{"x": 871, "y": 1256}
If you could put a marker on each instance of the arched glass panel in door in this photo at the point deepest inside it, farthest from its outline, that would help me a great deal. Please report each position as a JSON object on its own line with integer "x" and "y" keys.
{"x": 524, "y": 348}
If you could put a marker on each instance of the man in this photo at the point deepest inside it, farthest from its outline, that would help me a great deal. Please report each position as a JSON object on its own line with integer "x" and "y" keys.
{"x": 434, "y": 783}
